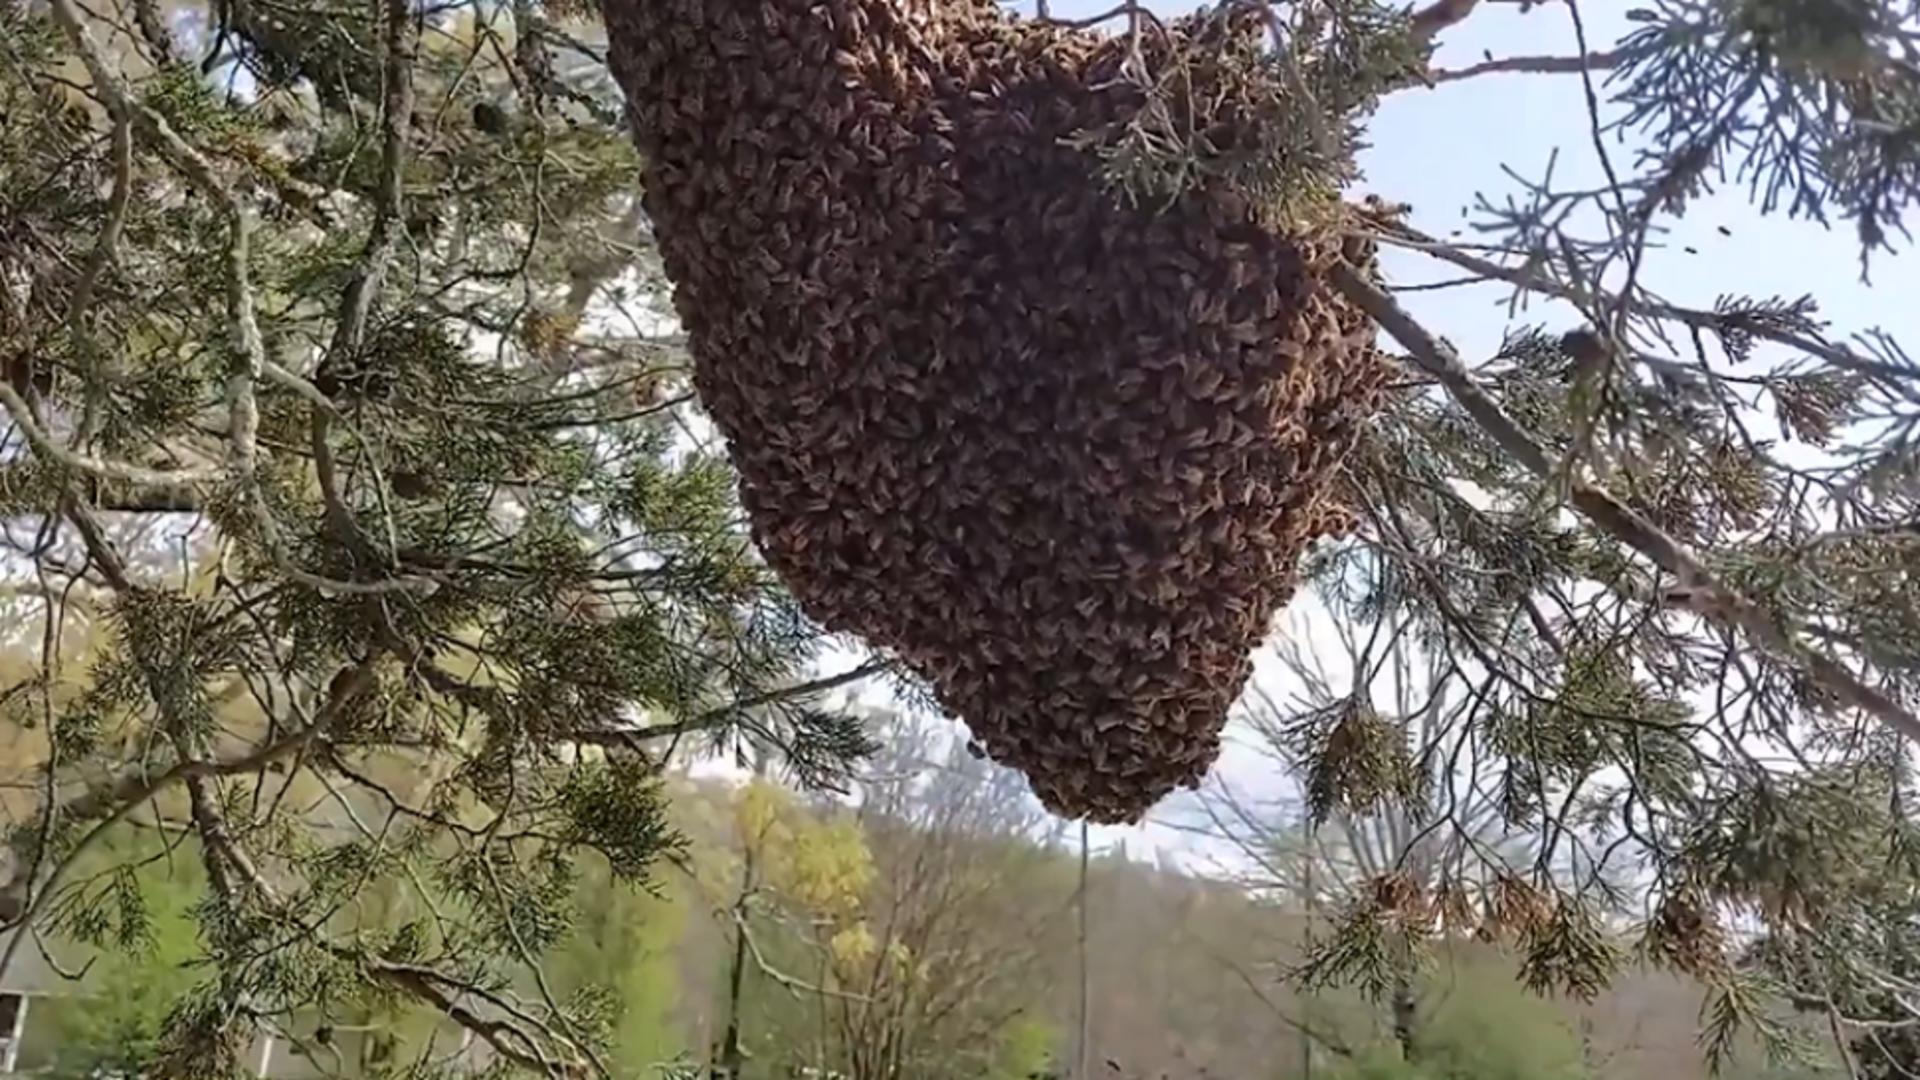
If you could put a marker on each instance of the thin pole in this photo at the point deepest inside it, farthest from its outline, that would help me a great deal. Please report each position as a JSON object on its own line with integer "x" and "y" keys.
{"x": 1306, "y": 935}
{"x": 1083, "y": 1043}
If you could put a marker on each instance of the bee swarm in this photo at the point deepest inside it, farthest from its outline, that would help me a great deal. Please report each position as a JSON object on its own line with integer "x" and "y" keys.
{"x": 1060, "y": 452}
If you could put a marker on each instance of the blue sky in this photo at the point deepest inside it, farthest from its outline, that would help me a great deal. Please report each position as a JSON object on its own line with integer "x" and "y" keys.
{"x": 1437, "y": 148}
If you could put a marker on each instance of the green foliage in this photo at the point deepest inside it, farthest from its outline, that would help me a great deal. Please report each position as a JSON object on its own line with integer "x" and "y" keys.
{"x": 618, "y": 810}
{"x": 400, "y": 607}
{"x": 1023, "y": 1049}
{"x": 1381, "y": 941}
{"x": 1569, "y": 951}
{"x": 1356, "y": 761}
{"x": 117, "y": 1019}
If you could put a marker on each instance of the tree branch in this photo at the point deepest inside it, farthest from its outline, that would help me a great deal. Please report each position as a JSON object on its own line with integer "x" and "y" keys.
{"x": 1530, "y": 65}
{"x": 1526, "y": 277}
{"x": 249, "y": 350}
{"x": 425, "y": 984}
{"x": 1436, "y": 17}
{"x": 363, "y": 285}
{"x": 248, "y": 364}
{"x": 44, "y": 445}
{"x": 716, "y": 716}
{"x": 108, "y": 803}
{"x": 1706, "y": 593}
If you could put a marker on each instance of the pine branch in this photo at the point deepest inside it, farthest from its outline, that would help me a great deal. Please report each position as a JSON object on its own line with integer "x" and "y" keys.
{"x": 248, "y": 363}
{"x": 108, "y": 803}
{"x": 720, "y": 715}
{"x": 249, "y": 349}
{"x": 1526, "y": 277}
{"x": 1705, "y": 592}
{"x": 44, "y": 445}
{"x": 230, "y": 871}
{"x": 444, "y": 994}
{"x": 111, "y": 801}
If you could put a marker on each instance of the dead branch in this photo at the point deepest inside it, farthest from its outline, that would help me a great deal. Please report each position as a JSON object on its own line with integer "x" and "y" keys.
{"x": 1530, "y": 65}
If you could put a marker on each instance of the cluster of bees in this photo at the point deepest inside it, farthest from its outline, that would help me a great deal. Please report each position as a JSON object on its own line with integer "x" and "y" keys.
{"x": 1061, "y": 453}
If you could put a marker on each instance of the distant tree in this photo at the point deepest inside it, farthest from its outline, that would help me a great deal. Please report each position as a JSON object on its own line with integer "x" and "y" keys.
{"x": 625, "y": 944}
{"x": 898, "y": 926}
{"x": 966, "y": 895}
{"x": 796, "y": 869}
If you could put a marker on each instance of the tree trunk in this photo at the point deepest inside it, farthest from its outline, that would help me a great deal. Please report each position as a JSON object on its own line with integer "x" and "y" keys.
{"x": 727, "y": 1065}
{"x": 1405, "y": 1015}
{"x": 731, "y": 1060}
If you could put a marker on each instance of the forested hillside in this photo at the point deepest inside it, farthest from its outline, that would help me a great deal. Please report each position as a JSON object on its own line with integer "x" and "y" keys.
{"x": 922, "y": 928}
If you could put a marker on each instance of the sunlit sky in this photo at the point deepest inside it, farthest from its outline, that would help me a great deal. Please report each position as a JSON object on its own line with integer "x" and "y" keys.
{"x": 1436, "y": 149}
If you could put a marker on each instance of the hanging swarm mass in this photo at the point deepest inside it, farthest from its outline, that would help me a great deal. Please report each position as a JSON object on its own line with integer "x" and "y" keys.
{"x": 1060, "y": 452}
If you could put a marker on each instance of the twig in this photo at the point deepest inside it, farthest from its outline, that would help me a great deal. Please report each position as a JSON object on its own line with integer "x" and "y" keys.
{"x": 539, "y": 973}
{"x": 720, "y": 714}
{"x": 103, "y": 248}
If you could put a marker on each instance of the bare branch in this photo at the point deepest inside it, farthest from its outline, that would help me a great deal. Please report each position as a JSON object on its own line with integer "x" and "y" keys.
{"x": 1529, "y": 65}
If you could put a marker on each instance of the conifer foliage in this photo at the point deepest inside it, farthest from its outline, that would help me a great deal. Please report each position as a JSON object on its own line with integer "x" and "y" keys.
{"x": 371, "y": 547}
